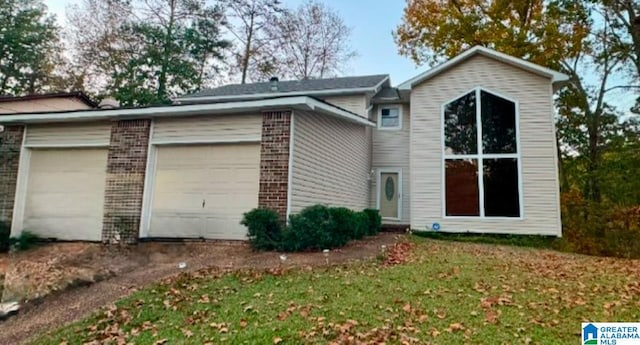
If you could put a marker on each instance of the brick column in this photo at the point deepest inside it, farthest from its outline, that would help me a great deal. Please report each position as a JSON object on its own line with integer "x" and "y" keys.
{"x": 274, "y": 161}
{"x": 126, "y": 166}
{"x": 10, "y": 145}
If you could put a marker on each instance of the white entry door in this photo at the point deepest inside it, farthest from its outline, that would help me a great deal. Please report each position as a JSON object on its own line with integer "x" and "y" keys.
{"x": 203, "y": 190}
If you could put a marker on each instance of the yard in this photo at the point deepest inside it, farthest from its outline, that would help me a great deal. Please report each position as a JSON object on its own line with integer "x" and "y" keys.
{"x": 445, "y": 293}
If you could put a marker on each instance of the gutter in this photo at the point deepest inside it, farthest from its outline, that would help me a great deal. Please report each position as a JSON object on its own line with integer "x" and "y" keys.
{"x": 302, "y": 103}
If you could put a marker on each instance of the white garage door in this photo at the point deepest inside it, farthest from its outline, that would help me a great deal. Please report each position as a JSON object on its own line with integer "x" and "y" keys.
{"x": 203, "y": 190}
{"x": 65, "y": 193}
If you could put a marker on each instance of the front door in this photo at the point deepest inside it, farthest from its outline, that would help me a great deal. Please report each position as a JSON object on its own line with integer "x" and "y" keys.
{"x": 389, "y": 194}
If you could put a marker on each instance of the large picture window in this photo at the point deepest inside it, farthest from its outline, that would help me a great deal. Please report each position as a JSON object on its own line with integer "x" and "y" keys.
{"x": 480, "y": 153}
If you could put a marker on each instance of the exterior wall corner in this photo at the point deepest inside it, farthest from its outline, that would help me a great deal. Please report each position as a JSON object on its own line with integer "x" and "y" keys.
{"x": 274, "y": 162}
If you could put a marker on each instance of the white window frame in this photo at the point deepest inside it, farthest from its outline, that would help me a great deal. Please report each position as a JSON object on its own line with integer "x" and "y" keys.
{"x": 389, "y": 106}
{"x": 379, "y": 173}
{"x": 481, "y": 155}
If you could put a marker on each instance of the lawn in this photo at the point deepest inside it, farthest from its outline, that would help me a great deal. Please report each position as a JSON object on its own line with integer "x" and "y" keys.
{"x": 447, "y": 293}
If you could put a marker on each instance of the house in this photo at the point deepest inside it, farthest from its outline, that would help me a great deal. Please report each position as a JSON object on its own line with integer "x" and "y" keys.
{"x": 467, "y": 146}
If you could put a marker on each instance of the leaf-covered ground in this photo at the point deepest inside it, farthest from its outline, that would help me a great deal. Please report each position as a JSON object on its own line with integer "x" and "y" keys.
{"x": 424, "y": 292}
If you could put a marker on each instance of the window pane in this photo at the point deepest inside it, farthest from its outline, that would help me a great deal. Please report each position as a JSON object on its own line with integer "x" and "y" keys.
{"x": 460, "y": 129}
{"x": 390, "y": 117}
{"x": 498, "y": 124}
{"x": 501, "y": 192}
{"x": 461, "y": 185}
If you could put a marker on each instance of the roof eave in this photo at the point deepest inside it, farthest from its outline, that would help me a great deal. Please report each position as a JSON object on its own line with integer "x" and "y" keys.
{"x": 302, "y": 102}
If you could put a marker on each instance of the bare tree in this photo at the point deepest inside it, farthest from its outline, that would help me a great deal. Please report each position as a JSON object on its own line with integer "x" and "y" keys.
{"x": 311, "y": 41}
{"x": 247, "y": 22}
{"x": 96, "y": 40}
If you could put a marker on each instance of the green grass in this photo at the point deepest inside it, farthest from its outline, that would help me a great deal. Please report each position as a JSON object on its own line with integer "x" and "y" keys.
{"x": 450, "y": 293}
{"x": 534, "y": 241}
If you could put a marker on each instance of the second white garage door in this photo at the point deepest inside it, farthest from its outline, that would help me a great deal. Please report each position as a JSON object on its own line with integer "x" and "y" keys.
{"x": 203, "y": 190}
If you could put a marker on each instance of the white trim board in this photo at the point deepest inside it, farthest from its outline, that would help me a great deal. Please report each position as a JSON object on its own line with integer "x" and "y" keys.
{"x": 19, "y": 200}
{"x": 147, "y": 191}
{"x": 274, "y": 104}
{"x": 556, "y": 77}
{"x": 290, "y": 168}
{"x": 380, "y": 171}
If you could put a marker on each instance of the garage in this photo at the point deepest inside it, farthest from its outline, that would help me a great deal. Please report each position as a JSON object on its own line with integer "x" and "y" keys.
{"x": 203, "y": 190}
{"x": 204, "y": 173}
{"x": 63, "y": 173}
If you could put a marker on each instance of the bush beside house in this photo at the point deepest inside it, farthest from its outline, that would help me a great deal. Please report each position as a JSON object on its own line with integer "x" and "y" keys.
{"x": 315, "y": 227}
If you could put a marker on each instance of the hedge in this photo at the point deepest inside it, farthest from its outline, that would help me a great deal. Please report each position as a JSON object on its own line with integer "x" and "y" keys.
{"x": 314, "y": 228}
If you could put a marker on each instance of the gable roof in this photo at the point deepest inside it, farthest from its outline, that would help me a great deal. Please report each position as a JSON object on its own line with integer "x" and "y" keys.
{"x": 555, "y": 76}
{"x": 311, "y": 87}
{"x": 76, "y": 94}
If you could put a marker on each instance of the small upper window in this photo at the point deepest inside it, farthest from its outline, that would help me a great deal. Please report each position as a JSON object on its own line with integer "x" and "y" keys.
{"x": 390, "y": 118}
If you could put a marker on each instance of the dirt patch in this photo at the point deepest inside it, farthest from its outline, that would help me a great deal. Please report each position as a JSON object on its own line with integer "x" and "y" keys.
{"x": 47, "y": 270}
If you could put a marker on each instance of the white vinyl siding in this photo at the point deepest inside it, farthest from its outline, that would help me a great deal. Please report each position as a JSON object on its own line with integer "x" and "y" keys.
{"x": 355, "y": 104}
{"x": 66, "y": 135}
{"x": 65, "y": 193}
{"x": 391, "y": 150}
{"x": 537, "y": 147}
{"x": 331, "y": 162}
{"x": 216, "y": 128}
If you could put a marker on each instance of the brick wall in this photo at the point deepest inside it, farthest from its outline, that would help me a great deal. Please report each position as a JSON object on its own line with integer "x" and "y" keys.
{"x": 274, "y": 161}
{"x": 126, "y": 166}
{"x": 10, "y": 144}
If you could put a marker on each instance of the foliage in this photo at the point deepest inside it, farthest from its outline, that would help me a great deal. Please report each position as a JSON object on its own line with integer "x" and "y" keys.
{"x": 309, "y": 42}
{"x": 5, "y": 234}
{"x": 312, "y": 228}
{"x": 248, "y": 20}
{"x": 375, "y": 221}
{"x": 601, "y": 228}
{"x": 29, "y": 47}
{"x": 155, "y": 49}
{"x": 544, "y": 32}
{"x": 315, "y": 227}
{"x": 264, "y": 228}
{"x": 448, "y": 293}
{"x": 26, "y": 240}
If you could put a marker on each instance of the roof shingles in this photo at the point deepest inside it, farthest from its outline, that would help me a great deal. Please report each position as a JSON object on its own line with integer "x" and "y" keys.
{"x": 345, "y": 83}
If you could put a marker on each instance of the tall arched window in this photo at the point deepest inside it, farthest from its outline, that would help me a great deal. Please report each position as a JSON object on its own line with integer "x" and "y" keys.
{"x": 481, "y": 156}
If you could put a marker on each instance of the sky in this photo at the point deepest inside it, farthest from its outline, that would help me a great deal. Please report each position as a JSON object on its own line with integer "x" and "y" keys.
{"x": 372, "y": 22}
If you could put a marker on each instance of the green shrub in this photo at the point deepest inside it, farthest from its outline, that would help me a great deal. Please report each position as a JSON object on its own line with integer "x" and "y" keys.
{"x": 5, "y": 233}
{"x": 375, "y": 221}
{"x": 345, "y": 226}
{"x": 264, "y": 229}
{"x": 26, "y": 240}
{"x": 360, "y": 225}
{"x": 312, "y": 228}
{"x": 315, "y": 227}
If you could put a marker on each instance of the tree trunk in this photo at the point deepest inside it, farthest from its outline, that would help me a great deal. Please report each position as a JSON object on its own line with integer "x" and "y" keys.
{"x": 162, "y": 79}
{"x": 247, "y": 51}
